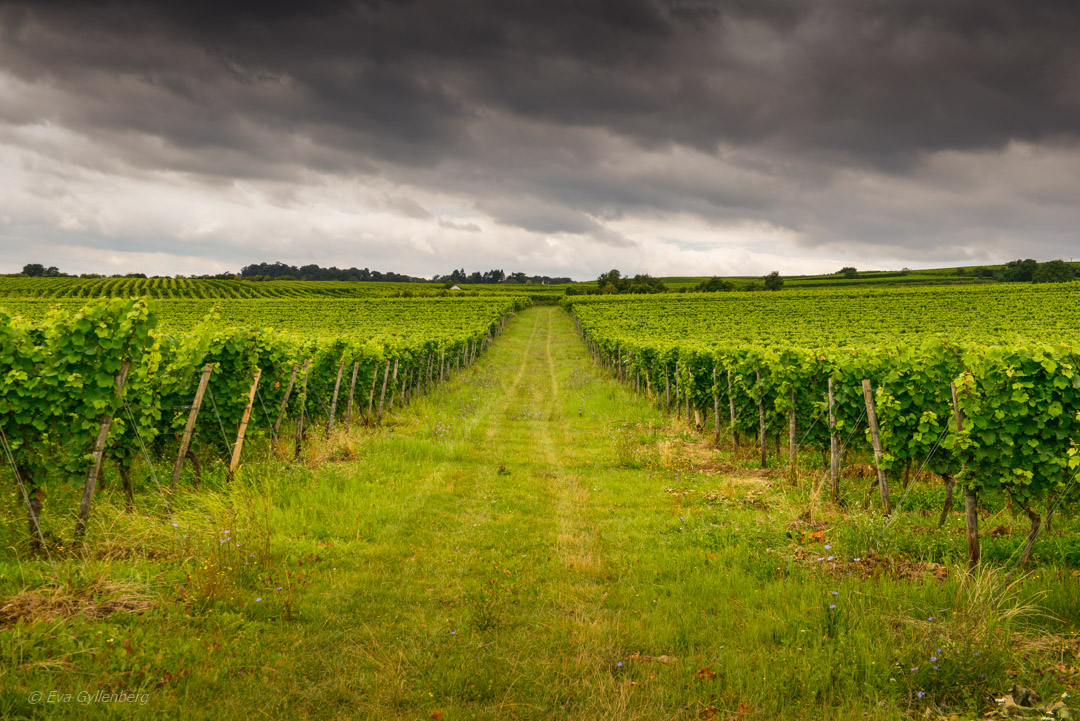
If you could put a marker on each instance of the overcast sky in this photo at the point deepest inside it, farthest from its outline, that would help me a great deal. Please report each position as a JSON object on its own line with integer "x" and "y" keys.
{"x": 684, "y": 137}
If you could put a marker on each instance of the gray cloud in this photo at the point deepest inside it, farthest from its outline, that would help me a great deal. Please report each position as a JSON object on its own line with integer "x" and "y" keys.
{"x": 920, "y": 131}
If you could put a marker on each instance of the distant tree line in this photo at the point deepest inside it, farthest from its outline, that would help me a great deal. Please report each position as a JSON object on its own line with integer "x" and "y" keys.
{"x": 1015, "y": 271}
{"x": 499, "y": 276}
{"x": 614, "y": 282}
{"x": 283, "y": 271}
{"x": 772, "y": 281}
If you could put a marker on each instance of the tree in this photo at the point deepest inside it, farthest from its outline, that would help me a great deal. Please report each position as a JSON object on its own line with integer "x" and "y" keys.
{"x": 714, "y": 285}
{"x": 1019, "y": 271}
{"x": 1053, "y": 271}
{"x": 773, "y": 281}
{"x": 849, "y": 272}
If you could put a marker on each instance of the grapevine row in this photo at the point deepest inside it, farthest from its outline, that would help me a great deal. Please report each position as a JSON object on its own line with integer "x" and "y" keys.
{"x": 988, "y": 419}
{"x": 105, "y": 384}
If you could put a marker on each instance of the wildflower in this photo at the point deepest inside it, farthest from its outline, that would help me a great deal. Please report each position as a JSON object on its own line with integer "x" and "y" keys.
{"x": 933, "y": 659}
{"x": 836, "y": 593}
{"x": 258, "y": 600}
{"x": 857, "y": 560}
{"x": 930, "y": 619}
{"x": 174, "y": 525}
{"x": 821, "y": 559}
{"x": 920, "y": 694}
{"x": 620, "y": 664}
{"x": 226, "y": 533}
{"x": 832, "y": 606}
{"x": 914, "y": 668}
{"x": 279, "y": 588}
{"x": 827, "y": 547}
{"x": 830, "y": 558}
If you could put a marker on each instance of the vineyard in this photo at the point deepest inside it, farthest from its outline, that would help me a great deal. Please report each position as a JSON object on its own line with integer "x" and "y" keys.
{"x": 59, "y": 288}
{"x": 108, "y": 383}
{"x": 945, "y": 390}
{"x": 860, "y": 503}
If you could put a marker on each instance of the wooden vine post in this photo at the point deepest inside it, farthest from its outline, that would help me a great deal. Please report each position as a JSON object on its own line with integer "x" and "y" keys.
{"x": 352, "y": 393}
{"x": 716, "y": 405}
{"x": 185, "y": 440}
{"x": 393, "y": 386}
{"x": 971, "y": 500}
{"x": 875, "y": 437}
{"x": 793, "y": 447}
{"x": 761, "y": 422}
{"x": 371, "y": 395}
{"x": 333, "y": 401}
{"x": 239, "y": 445}
{"x": 834, "y": 447}
{"x": 285, "y": 398}
{"x": 667, "y": 390}
{"x": 731, "y": 410}
{"x": 303, "y": 408}
{"x": 97, "y": 454}
{"x": 382, "y": 397}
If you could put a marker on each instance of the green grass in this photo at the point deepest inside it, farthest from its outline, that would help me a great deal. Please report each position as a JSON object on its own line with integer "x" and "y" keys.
{"x": 536, "y": 542}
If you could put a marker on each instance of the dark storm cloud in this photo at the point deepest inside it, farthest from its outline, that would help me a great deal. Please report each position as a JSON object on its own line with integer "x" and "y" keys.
{"x": 402, "y": 80}
{"x": 556, "y": 116}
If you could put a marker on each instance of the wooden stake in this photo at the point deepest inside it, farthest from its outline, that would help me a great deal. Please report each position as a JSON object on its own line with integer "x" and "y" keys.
{"x": 834, "y": 447}
{"x": 971, "y": 500}
{"x": 185, "y": 440}
{"x": 382, "y": 397}
{"x": 285, "y": 400}
{"x": 793, "y": 448}
{"x": 875, "y": 437}
{"x": 98, "y": 453}
{"x": 731, "y": 410}
{"x": 393, "y": 385}
{"x": 667, "y": 390}
{"x": 238, "y": 446}
{"x": 442, "y": 364}
{"x": 303, "y": 408}
{"x": 761, "y": 422}
{"x": 678, "y": 390}
{"x": 352, "y": 392}
{"x": 716, "y": 405}
{"x": 333, "y": 401}
{"x": 371, "y": 394}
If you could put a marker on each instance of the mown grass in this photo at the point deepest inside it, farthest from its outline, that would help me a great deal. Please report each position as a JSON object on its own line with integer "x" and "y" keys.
{"x": 530, "y": 542}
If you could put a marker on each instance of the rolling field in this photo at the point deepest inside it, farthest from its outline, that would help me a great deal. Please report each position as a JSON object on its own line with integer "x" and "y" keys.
{"x": 73, "y": 289}
{"x": 553, "y": 531}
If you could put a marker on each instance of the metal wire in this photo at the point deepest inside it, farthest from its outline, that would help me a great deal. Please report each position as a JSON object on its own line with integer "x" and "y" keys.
{"x": 26, "y": 500}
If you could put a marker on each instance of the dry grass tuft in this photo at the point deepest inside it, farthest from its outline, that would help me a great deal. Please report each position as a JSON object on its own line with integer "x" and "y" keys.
{"x": 96, "y": 599}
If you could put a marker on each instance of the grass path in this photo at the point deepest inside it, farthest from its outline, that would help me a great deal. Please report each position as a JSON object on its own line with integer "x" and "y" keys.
{"x": 532, "y": 541}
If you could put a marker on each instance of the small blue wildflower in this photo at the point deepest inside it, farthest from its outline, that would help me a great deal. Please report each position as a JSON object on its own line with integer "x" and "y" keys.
{"x": 832, "y": 606}
{"x": 258, "y": 600}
